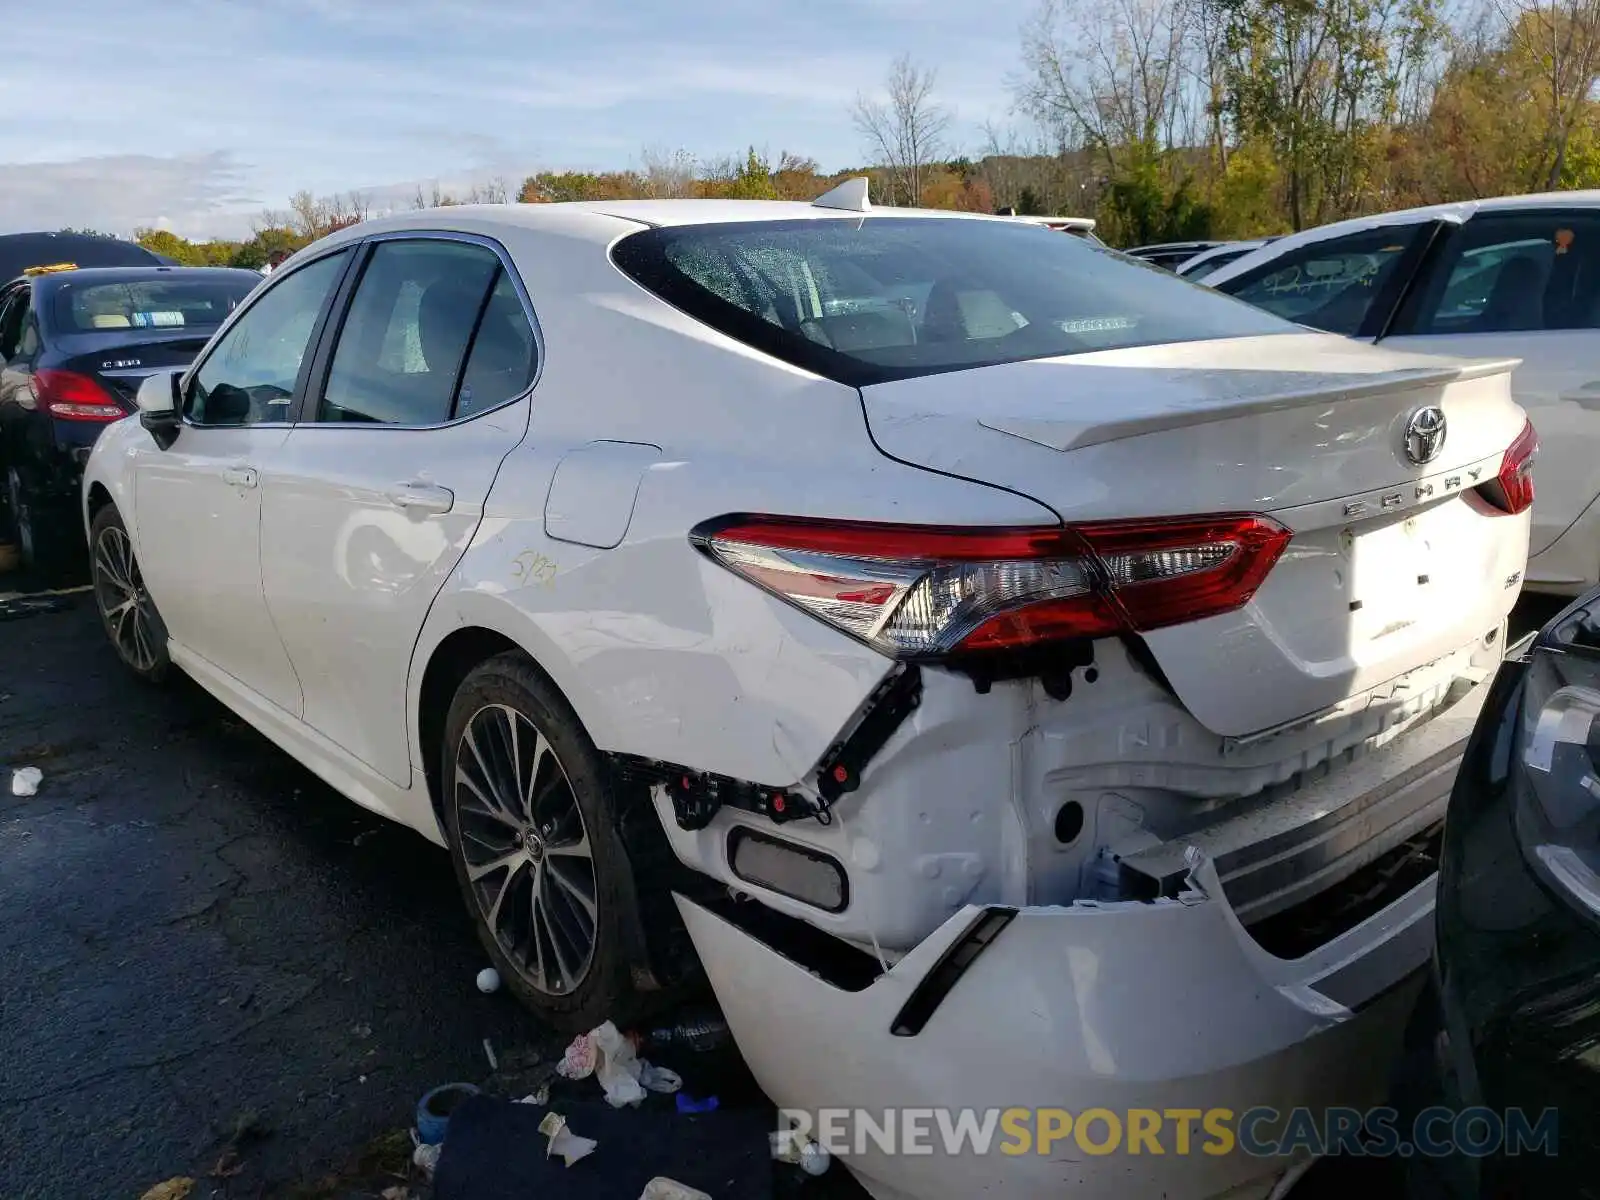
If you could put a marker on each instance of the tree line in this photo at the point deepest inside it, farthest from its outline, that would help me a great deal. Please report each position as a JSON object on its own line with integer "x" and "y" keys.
{"x": 1165, "y": 120}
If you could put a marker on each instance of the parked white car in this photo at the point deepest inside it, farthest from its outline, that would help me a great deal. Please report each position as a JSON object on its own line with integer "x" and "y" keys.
{"x": 1064, "y": 666}
{"x": 1208, "y": 262}
{"x": 1516, "y": 277}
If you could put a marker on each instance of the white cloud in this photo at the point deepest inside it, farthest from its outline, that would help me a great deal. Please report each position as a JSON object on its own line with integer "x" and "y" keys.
{"x": 202, "y": 113}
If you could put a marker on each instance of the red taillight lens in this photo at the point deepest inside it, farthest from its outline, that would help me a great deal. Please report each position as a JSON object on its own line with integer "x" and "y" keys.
{"x": 916, "y": 591}
{"x": 1511, "y": 490}
{"x": 74, "y": 397}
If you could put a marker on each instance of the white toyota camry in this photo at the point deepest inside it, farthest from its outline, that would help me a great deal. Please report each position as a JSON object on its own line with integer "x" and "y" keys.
{"x": 1015, "y": 676}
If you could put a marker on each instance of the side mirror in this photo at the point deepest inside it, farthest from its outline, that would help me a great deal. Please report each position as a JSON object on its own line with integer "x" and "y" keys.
{"x": 159, "y": 410}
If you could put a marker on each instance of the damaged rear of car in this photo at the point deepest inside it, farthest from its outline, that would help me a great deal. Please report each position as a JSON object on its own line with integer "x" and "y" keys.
{"x": 1144, "y": 809}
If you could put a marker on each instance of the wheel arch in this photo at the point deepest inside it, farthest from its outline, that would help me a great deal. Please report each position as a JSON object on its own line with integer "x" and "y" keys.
{"x": 476, "y": 629}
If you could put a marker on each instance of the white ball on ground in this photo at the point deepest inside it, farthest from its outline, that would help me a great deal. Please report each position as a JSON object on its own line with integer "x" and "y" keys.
{"x": 815, "y": 1159}
{"x": 488, "y": 980}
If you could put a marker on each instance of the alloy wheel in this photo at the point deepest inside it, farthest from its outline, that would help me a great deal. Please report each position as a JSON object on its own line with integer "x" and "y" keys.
{"x": 124, "y": 603}
{"x": 529, "y": 862}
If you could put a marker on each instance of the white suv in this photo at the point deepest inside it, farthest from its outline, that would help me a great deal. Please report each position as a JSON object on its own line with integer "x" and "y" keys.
{"x": 1037, "y": 678}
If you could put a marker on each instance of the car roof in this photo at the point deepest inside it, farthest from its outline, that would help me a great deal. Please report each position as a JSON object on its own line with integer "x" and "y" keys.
{"x": 19, "y": 251}
{"x": 82, "y": 275}
{"x": 1454, "y": 212}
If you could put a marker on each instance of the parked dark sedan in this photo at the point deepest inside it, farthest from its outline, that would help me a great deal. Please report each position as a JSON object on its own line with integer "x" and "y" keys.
{"x": 1512, "y": 1024}
{"x": 74, "y": 346}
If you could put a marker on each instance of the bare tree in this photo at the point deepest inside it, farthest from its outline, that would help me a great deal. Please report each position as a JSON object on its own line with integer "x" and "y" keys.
{"x": 906, "y": 130}
{"x": 1563, "y": 37}
{"x": 667, "y": 175}
{"x": 1111, "y": 74}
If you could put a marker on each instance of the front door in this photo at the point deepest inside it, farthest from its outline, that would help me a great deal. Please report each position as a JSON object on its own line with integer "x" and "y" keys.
{"x": 382, "y": 482}
{"x": 1527, "y": 285}
{"x": 197, "y": 504}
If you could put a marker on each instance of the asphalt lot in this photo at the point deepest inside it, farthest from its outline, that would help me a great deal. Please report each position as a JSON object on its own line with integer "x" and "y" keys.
{"x": 197, "y": 932}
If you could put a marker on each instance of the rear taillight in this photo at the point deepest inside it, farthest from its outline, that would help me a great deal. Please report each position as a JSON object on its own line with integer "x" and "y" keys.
{"x": 1511, "y": 490}
{"x": 918, "y": 591}
{"x": 74, "y": 397}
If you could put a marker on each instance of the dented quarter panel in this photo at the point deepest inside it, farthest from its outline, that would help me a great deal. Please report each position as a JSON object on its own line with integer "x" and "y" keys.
{"x": 663, "y": 653}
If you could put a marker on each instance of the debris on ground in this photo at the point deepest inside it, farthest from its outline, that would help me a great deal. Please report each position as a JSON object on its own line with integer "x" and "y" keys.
{"x": 488, "y": 1052}
{"x": 488, "y": 981}
{"x": 15, "y": 608}
{"x": 662, "y": 1188}
{"x": 25, "y": 781}
{"x": 790, "y": 1146}
{"x": 540, "y": 1096}
{"x": 496, "y": 1151}
{"x": 614, "y": 1060}
{"x": 396, "y": 1193}
{"x": 177, "y": 1188}
{"x": 563, "y": 1141}
{"x": 426, "y": 1158}
{"x": 248, "y": 1128}
{"x": 701, "y": 1032}
{"x": 435, "y": 1108}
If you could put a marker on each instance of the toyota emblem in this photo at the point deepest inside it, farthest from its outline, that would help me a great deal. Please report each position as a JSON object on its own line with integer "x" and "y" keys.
{"x": 1425, "y": 434}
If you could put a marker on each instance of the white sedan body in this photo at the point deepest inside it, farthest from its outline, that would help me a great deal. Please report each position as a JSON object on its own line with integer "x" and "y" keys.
{"x": 1517, "y": 276}
{"x": 1148, "y": 634}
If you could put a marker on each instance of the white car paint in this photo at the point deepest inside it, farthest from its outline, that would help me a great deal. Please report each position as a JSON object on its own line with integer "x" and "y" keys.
{"x": 1226, "y": 250}
{"x": 1557, "y": 383}
{"x": 308, "y": 577}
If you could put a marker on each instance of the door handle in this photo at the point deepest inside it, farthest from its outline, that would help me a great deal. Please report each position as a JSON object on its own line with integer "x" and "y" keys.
{"x": 240, "y": 476}
{"x": 422, "y": 497}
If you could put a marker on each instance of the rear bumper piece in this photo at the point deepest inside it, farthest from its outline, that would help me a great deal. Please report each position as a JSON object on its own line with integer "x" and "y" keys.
{"x": 1295, "y": 846}
{"x": 1122, "y": 1005}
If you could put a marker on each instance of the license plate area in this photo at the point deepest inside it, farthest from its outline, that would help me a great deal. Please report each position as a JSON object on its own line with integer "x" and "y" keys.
{"x": 1392, "y": 575}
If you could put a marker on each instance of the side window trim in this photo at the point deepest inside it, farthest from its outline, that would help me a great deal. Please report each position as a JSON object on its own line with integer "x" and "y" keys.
{"x": 186, "y": 384}
{"x": 315, "y": 383}
{"x": 314, "y": 371}
{"x": 1415, "y": 260}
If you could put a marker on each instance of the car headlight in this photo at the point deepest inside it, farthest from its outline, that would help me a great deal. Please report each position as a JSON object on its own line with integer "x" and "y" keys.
{"x": 1557, "y": 809}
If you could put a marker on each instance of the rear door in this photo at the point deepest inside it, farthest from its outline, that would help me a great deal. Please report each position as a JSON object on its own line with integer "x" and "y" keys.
{"x": 1527, "y": 285}
{"x": 416, "y": 400}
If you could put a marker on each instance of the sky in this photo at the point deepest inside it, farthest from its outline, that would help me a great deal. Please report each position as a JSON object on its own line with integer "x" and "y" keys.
{"x": 195, "y": 115}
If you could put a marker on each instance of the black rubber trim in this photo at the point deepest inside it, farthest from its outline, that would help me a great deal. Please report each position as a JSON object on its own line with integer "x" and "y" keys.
{"x": 924, "y": 1001}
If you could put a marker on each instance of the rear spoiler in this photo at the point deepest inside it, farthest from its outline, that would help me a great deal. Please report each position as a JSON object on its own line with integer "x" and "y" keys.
{"x": 1064, "y": 433}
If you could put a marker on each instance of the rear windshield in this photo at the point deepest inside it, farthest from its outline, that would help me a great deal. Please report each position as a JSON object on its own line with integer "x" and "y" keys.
{"x": 147, "y": 304}
{"x": 869, "y": 300}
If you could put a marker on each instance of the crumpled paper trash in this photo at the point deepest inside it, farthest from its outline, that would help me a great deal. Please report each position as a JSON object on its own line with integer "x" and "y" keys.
{"x": 426, "y": 1157}
{"x": 563, "y": 1141}
{"x": 180, "y": 1187}
{"x": 614, "y": 1060}
{"x": 25, "y": 781}
{"x": 662, "y": 1188}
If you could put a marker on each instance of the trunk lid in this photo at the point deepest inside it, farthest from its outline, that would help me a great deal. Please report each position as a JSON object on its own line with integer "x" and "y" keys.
{"x": 122, "y": 364}
{"x": 1390, "y": 567}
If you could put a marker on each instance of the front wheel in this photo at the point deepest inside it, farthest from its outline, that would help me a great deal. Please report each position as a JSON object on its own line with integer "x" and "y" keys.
{"x": 126, "y": 609}
{"x": 535, "y": 847}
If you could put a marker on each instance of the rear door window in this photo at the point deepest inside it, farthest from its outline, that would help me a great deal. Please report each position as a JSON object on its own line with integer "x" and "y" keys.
{"x": 1342, "y": 284}
{"x": 1512, "y": 272}
{"x": 868, "y": 300}
{"x": 431, "y": 320}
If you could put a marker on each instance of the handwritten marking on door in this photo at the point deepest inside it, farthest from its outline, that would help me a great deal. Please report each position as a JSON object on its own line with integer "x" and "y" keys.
{"x": 532, "y": 568}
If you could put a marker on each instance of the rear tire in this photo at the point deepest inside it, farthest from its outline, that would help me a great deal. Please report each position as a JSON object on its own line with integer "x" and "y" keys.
{"x": 534, "y": 841}
{"x": 47, "y": 538}
{"x": 127, "y": 612}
